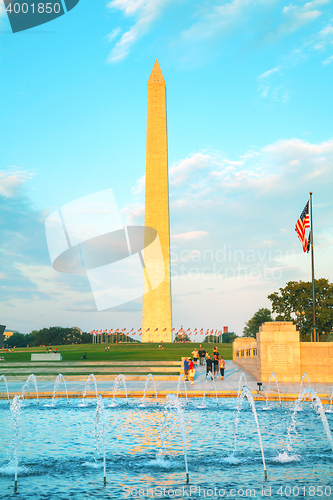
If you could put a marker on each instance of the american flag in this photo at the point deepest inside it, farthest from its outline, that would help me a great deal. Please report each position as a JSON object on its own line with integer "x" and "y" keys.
{"x": 156, "y": 329}
{"x": 164, "y": 329}
{"x": 302, "y": 223}
{"x": 173, "y": 329}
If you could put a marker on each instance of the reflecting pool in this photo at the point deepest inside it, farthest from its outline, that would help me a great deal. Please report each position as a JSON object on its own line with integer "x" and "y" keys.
{"x": 60, "y": 450}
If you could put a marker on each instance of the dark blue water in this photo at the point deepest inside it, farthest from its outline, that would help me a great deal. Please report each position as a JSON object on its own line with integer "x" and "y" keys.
{"x": 58, "y": 458}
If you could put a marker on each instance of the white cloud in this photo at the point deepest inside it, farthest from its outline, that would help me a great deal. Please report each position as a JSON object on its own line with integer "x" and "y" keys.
{"x": 269, "y": 73}
{"x": 145, "y": 12}
{"x": 278, "y": 93}
{"x": 11, "y": 181}
{"x": 328, "y": 60}
{"x": 140, "y": 186}
{"x": 114, "y": 33}
{"x": 221, "y": 20}
{"x": 189, "y": 235}
{"x": 133, "y": 214}
{"x": 202, "y": 185}
{"x": 296, "y": 17}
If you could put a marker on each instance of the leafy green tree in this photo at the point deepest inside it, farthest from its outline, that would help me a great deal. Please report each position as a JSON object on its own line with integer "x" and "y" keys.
{"x": 296, "y": 297}
{"x": 56, "y": 335}
{"x": 19, "y": 340}
{"x": 252, "y": 326}
{"x": 228, "y": 338}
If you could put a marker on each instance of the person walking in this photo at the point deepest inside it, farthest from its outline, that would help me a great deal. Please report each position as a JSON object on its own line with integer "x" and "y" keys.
{"x": 202, "y": 355}
{"x": 186, "y": 366}
{"x": 216, "y": 366}
{"x": 195, "y": 356}
{"x": 191, "y": 371}
{"x": 222, "y": 367}
{"x": 209, "y": 367}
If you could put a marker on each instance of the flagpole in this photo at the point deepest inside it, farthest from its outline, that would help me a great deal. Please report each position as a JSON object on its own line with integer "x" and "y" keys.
{"x": 314, "y": 336}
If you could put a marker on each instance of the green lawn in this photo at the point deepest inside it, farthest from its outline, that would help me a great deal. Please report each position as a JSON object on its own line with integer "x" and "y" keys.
{"x": 118, "y": 352}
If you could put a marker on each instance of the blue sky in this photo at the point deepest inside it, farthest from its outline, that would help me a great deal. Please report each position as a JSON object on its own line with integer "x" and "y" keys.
{"x": 249, "y": 96}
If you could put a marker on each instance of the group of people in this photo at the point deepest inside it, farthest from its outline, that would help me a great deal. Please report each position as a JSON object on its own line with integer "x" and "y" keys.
{"x": 215, "y": 364}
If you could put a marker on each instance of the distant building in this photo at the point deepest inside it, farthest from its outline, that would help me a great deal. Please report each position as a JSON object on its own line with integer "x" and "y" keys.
{"x": 2, "y": 329}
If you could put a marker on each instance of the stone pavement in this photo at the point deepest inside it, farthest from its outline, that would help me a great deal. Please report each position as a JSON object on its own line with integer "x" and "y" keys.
{"x": 229, "y": 386}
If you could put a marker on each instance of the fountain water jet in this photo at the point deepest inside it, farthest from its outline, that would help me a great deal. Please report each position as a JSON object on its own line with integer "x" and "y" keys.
{"x": 203, "y": 404}
{"x": 2, "y": 377}
{"x": 91, "y": 377}
{"x": 26, "y": 385}
{"x": 246, "y": 393}
{"x": 149, "y": 377}
{"x": 100, "y": 430}
{"x": 59, "y": 378}
{"x": 297, "y": 405}
{"x": 171, "y": 402}
{"x": 240, "y": 382}
{"x": 180, "y": 378}
{"x": 318, "y": 407}
{"x": 267, "y": 390}
{"x": 330, "y": 410}
{"x": 15, "y": 408}
{"x": 119, "y": 378}
{"x": 305, "y": 375}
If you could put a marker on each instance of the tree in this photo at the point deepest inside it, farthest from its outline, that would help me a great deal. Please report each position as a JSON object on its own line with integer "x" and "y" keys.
{"x": 296, "y": 297}
{"x": 19, "y": 340}
{"x": 228, "y": 338}
{"x": 56, "y": 335}
{"x": 252, "y": 326}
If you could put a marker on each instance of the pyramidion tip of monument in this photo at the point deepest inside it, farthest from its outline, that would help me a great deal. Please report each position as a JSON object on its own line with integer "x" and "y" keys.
{"x": 156, "y": 74}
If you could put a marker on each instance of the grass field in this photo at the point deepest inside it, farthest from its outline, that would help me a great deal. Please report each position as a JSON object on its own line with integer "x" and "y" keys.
{"x": 118, "y": 352}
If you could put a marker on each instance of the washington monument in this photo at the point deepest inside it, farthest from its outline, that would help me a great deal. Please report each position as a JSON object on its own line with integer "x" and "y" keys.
{"x": 156, "y": 313}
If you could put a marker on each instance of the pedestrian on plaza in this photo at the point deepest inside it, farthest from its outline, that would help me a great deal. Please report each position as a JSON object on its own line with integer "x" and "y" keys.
{"x": 216, "y": 366}
{"x": 186, "y": 365}
{"x": 222, "y": 367}
{"x": 195, "y": 356}
{"x": 209, "y": 367}
{"x": 202, "y": 354}
{"x": 191, "y": 371}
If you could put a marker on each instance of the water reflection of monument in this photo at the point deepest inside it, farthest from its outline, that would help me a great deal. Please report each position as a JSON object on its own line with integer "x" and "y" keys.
{"x": 156, "y": 314}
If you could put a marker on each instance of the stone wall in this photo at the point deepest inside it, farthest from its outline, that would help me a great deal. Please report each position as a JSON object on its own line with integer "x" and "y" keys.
{"x": 278, "y": 349}
{"x": 317, "y": 361}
